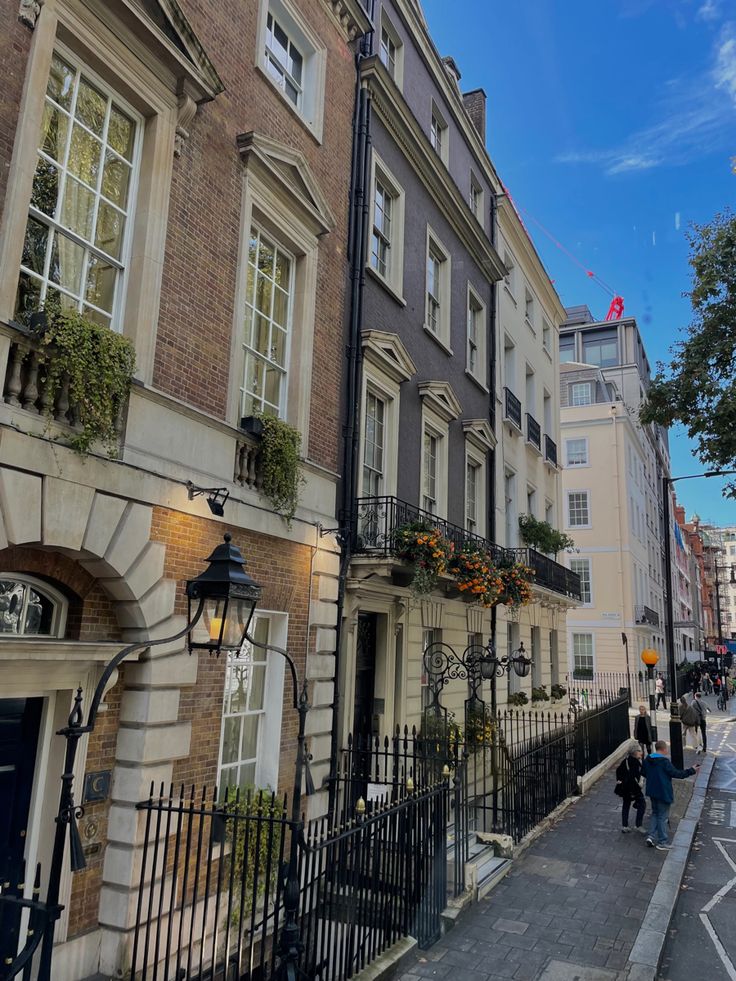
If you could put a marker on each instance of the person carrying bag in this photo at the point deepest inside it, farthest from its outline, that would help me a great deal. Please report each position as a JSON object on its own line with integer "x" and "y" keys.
{"x": 628, "y": 788}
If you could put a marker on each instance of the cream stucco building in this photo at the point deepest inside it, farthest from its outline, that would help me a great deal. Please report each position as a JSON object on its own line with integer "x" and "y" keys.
{"x": 612, "y": 469}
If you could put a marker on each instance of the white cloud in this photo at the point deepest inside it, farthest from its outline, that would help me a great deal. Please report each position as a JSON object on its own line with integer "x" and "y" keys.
{"x": 694, "y": 120}
{"x": 709, "y": 11}
{"x": 724, "y": 72}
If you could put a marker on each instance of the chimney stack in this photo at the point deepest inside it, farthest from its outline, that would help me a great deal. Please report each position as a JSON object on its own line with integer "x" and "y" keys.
{"x": 475, "y": 105}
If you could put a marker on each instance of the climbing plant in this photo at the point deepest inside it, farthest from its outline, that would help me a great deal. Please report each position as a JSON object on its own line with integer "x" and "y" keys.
{"x": 280, "y": 467}
{"x": 97, "y": 364}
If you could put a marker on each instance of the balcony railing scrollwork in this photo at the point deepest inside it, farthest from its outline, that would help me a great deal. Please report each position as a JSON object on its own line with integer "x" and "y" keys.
{"x": 550, "y": 451}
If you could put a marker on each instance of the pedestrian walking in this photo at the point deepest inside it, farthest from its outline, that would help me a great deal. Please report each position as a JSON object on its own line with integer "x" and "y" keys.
{"x": 707, "y": 684}
{"x": 659, "y": 688}
{"x": 628, "y": 788}
{"x": 643, "y": 730}
{"x": 659, "y": 774}
{"x": 702, "y": 710}
{"x": 690, "y": 720}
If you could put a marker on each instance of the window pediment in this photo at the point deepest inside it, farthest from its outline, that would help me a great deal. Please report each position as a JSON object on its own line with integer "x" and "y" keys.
{"x": 163, "y": 27}
{"x": 479, "y": 432}
{"x": 441, "y": 399}
{"x": 288, "y": 171}
{"x": 388, "y": 353}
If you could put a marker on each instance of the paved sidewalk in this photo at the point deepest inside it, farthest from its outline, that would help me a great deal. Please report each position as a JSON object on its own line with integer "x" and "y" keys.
{"x": 570, "y": 908}
{"x": 701, "y": 942}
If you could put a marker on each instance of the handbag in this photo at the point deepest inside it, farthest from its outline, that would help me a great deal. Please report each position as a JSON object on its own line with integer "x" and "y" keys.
{"x": 619, "y": 790}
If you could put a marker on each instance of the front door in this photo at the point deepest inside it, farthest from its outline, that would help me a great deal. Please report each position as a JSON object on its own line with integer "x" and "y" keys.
{"x": 365, "y": 675}
{"x": 20, "y": 720}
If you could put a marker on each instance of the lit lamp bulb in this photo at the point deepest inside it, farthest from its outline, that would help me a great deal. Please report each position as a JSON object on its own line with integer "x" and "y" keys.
{"x": 215, "y": 628}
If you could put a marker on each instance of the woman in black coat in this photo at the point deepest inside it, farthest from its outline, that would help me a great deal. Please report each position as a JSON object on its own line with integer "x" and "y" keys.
{"x": 628, "y": 788}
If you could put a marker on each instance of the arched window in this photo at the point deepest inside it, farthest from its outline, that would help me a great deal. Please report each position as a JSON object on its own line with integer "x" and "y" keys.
{"x": 30, "y": 608}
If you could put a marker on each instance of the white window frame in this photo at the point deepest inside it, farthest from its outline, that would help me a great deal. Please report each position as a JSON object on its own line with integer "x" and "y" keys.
{"x": 582, "y": 633}
{"x": 269, "y": 735}
{"x": 473, "y": 300}
{"x": 285, "y": 369}
{"x": 509, "y": 280}
{"x": 568, "y": 494}
{"x": 575, "y": 559}
{"x": 280, "y": 217}
{"x": 476, "y": 198}
{"x": 576, "y": 387}
{"x": 393, "y": 281}
{"x": 437, "y": 427}
{"x": 547, "y": 341}
{"x": 121, "y": 264}
{"x": 121, "y": 69}
{"x": 475, "y": 457}
{"x": 59, "y": 601}
{"x": 438, "y": 129}
{"x": 577, "y": 439}
{"x": 377, "y": 384}
{"x": 314, "y": 54}
{"x": 442, "y": 334}
{"x": 529, "y": 308}
{"x": 398, "y": 73}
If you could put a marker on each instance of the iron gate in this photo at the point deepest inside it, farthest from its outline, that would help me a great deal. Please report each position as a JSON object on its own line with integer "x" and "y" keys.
{"x": 211, "y": 897}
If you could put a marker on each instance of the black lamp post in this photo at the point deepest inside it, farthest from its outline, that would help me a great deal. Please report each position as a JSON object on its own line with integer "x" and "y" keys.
{"x": 225, "y": 596}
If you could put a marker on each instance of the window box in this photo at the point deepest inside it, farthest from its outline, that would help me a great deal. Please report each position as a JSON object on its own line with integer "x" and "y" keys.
{"x": 253, "y": 425}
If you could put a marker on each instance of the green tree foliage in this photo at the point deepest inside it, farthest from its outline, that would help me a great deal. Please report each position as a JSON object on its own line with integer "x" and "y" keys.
{"x": 698, "y": 387}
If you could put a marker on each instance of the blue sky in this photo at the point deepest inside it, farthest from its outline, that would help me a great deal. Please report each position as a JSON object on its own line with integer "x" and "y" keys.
{"x": 613, "y": 124}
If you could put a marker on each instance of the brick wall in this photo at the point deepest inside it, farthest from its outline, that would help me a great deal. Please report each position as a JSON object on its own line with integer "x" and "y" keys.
{"x": 203, "y": 241}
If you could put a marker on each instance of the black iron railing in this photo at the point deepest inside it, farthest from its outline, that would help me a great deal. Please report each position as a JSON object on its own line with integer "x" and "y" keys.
{"x": 533, "y": 432}
{"x": 550, "y": 450}
{"x": 549, "y": 573}
{"x": 511, "y": 408}
{"x": 211, "y": 897}
{"x": 378, "y": 518}
{"x": 599, "y": 731}
{"x": 645, "y": 614}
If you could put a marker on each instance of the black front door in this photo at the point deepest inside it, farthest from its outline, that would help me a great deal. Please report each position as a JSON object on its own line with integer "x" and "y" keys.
{"x": 365, "y": 675}
{"x": 20, "y": 720}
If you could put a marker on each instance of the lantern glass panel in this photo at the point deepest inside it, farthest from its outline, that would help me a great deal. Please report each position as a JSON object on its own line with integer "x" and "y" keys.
{"x": 487, "y": 668}
{"x": 521, "y": 665}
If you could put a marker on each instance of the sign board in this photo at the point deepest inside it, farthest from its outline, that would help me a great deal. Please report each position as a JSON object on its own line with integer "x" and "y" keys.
{"x": 376, "y": 791}
{"x": 721, "y": 649}
{"x": 96, "y": 786}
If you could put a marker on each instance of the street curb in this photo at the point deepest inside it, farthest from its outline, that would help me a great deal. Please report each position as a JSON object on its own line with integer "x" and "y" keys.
{"x": 390, "y": 961}
{"x": 647, "y": 950}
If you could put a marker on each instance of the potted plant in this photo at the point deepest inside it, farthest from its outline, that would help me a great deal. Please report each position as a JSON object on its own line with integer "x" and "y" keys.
{"x": 558, "y": 692}
{"x": 429, "y": 550}
{"x": 253, "y": 425}
{"x": 539, "y": 694}
{"x": 542, "y": 536}
{"x": 517, "y": 698}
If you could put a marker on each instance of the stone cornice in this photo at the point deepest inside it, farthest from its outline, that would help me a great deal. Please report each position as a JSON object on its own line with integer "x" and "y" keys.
{"x": 527, "y": 257}
{"x": 398, "y": 119}
{"x": 351, "y": 18}
{"x": 47, "y": 649}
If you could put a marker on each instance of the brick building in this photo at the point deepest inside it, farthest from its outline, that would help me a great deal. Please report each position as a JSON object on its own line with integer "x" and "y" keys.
{"x": 179, "y": 173}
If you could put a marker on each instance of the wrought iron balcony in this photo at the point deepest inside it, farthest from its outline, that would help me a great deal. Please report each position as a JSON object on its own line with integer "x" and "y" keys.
{"x": 511, "y": 408}
{"x": 644, "y": 614}
{"x": 378, "y": 518}
{"x": 533, "y": 432}
{"x": 550, "y": 451}
{"x": 548, "y": 573}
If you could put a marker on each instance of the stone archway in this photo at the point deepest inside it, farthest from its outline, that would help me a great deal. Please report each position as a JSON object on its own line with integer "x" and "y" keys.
{"x": 110, "y": 537}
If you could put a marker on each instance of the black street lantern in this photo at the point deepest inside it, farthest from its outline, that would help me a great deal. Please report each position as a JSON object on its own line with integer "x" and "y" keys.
{"x": 225, "y": 597}
{"x": 492, "y": 666}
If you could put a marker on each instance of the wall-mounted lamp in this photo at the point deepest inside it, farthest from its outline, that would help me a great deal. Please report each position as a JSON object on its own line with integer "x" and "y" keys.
{"x": 216, "y": 497}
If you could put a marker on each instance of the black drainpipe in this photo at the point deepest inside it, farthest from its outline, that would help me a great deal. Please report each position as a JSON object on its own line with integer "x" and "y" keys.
{"x": 357, "y": 239}
{"x": 492, "y": 406}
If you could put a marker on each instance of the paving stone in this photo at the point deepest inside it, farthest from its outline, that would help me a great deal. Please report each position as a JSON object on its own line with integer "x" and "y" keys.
{"x": 511, "y": 926}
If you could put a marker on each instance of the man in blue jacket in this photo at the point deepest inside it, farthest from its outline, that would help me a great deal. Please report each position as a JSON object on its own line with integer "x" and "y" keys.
{"x": 659, "y": 773}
